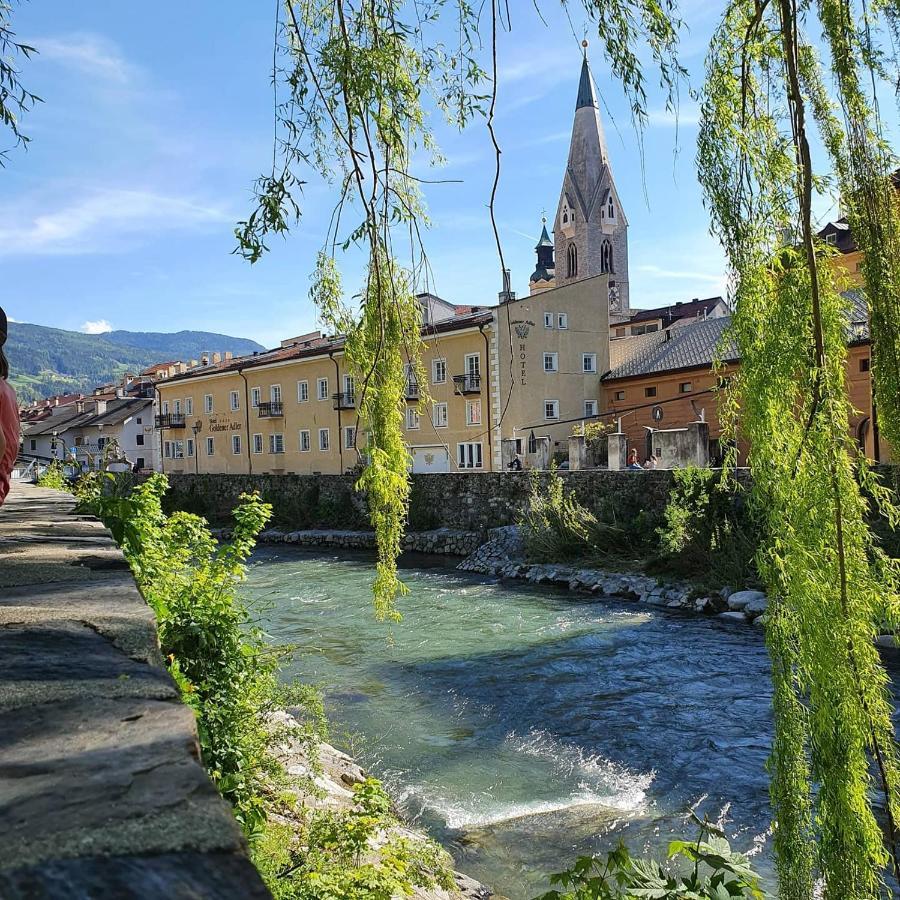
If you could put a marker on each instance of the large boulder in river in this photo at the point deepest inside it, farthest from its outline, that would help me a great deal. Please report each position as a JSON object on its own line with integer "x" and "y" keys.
{"x": 738, "y": 602}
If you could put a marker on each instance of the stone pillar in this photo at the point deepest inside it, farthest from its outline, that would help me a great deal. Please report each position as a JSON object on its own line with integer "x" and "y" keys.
{"x": 617, "y": 445}
{"x": 577, "y": 452}
{"x": 698, "y": 434}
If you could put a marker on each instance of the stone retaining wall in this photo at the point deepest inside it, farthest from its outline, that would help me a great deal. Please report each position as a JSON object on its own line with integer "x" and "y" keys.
{"x": 463, "y": 501}
{"x": 102, "y": 792}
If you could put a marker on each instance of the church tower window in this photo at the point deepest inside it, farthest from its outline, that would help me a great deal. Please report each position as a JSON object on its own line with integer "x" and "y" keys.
{"x": 572, "y": 261}
{"x": 609, "y": 210}
{"x": 606, "y": 257}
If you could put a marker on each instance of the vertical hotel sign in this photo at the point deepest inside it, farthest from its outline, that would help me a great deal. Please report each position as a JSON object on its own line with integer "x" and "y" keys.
{"x": 522, "y": 327}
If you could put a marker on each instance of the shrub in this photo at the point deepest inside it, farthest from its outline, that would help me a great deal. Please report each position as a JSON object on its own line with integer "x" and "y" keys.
{"x": 53, "y": 477}
{"x": 713, "y": 872}
{"x": 707, "y": 532}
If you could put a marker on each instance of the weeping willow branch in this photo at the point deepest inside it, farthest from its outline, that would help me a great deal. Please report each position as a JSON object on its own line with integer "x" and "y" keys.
{"x": 820, "y": 562}
{"x": 15, "y": 100}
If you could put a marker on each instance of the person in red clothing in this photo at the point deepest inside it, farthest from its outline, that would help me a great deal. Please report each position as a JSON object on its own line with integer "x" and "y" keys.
{"x": 9, "y": 417}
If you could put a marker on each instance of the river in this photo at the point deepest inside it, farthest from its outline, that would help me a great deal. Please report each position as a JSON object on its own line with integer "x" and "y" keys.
{"x": 522, "y": 726}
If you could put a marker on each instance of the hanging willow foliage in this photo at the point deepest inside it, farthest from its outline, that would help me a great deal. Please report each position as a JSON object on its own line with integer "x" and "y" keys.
{"x": 828, "y": 580}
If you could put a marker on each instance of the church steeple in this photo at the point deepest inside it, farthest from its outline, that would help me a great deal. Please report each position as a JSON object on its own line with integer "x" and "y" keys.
{"x": 591, "y": 231}
{"x": 545, "y": 271}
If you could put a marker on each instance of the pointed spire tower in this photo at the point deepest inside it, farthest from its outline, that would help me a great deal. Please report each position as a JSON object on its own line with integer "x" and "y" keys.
{"x": 591, "y": 232}
{"x": 544, "y": 272}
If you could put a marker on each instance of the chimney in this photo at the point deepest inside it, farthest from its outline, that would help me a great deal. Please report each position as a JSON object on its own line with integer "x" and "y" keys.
{"x": 79, "y": 406}
{"x": 100, "y": 406}
{"x": 193, "y": 363}
{"x": 204, "y": 357}
{"x": 228, "y": 355}
{"x": 506, "y": 295}
{"x": 217, "y": 357}
{"x": 120, "y": 392}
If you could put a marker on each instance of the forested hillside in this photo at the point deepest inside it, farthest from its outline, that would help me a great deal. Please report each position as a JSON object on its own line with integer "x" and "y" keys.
{"x": 45, "y": 361}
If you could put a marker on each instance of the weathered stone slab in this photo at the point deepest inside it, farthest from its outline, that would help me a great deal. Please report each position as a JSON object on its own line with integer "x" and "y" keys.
{"x": 169, "y": 876}
{"x": 105, "y": 777}
{"x": 58, "y": 661}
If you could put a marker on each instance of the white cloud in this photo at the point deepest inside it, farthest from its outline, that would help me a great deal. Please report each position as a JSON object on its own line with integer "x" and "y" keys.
{"x": 100, "y": 326}
{"x": 687, "y": 116}
{"x": 87, "y": 53}
{"x": 101, "y": 221}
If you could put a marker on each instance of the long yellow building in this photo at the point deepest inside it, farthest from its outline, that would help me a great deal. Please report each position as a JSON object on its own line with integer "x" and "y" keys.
{"x": 502, "y": 381}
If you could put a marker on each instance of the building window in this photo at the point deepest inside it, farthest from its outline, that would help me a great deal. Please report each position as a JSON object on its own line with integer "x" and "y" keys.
{"x": 649, "y": 391}
{"x": 139, "y": 462}
{"x": 178, "y": 449}
{"x": 236, "y": 444}
{"x": 438, "y": 371}
{"x": 572, "y": 261}
{"x": 138, "y": 440}
{"x": 864, "y": 365}
{"x": 606, "y": 257}
{"x": 590, "y": 408}
{"x": 685, "y": 387}
{"x": 211, "y": 446}
{"x": 234, "y": 401}
{"x": 551, "y": 362}
{"x": 276, "y": 442}
{"x": 254, "y": 397}
{"x": 412, "y": 418}
{"x": 548, "y": 320}
{"x": 34, "y": 443}
{"x": 589, "y": 363}
{"x": 562, "y": 321}
{"x": 275, "y": 393}
{"x": 473, "y": 364}
{"x": 189, "y": 406}
{"x": 551, "y": 409}
{"x": 177, "y": 407}
{"x": 190, "y": 446}
{"x": 302, "y": 391}
{"x": 257, "y": 443}
{"x": 473, "y": 412}
{"x": 610, "y": 210}
{"x": 165, "y": 407}
{"x": 138, "y": 420}
{"x": 439, "y": 415}
{"x": 304, "y": 440}
{"x": 349, "y": 437}
{"x": 167, "y": 449}
{"x": 620, "y": 332}
{"x": 207, "y": 403}
{"x": 322, "y": 389}
{"x": 349, "y": 388}
{"x": 831, "y": 239}
{"x": 468, "y": 455}
{"x": 324, "y": 438}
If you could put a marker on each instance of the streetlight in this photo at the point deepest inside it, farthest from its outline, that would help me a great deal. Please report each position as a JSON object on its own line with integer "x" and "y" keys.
{"x": 196, "y": 428}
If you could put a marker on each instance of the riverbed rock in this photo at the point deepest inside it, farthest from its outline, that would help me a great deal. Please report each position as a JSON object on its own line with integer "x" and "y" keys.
{"x": 732, "y": 615}
{"x": 756, "y": 606}
{"x": 739, "y": 600}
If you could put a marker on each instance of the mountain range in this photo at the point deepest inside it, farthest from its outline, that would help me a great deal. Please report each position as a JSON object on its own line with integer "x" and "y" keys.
{"x": 45, "y": 361}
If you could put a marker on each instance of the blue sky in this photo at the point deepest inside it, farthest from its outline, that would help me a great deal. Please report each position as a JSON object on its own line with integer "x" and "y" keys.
{"x": 158, "y": 117}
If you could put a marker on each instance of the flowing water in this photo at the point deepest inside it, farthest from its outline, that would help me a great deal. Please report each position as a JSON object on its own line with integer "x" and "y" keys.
{"x": 523, "y": 726}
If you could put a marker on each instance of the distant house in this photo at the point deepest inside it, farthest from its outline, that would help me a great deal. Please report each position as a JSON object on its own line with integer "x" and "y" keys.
{"x": 647, "y": 321}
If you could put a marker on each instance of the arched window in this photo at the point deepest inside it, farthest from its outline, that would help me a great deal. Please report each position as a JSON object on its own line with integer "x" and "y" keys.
{"x": 565, "y": 217}
{"x": 609, "y": 210}
{"x": 572, "y": 261}
{"x": 606, "y": 257}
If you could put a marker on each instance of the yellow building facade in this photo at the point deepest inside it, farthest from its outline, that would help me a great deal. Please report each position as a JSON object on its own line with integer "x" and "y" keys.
{"x": 493, "y": 378}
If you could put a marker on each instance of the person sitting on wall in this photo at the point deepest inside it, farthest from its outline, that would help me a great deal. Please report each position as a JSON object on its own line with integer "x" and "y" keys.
{"x": 651, "y": 463}
{"x": 633, "y": 461}
{"x": 516, "y": 463}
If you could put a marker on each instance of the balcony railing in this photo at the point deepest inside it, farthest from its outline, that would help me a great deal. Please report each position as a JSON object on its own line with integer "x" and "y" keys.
{"x": 344, "y": 400}
{"x": 170, "y": 420}
{"x": 467, "y": 384}
{"x": 412, "y": 390}
{"x": 272, "y": 410}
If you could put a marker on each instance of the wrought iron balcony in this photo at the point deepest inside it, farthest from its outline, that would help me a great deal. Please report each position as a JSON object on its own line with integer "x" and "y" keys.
{"x": 170, "y": 420}
{"x": 412, "y": 390}
{"x": 344, "y": 400}
{"x": 467, "y": 384}
{"x": 271, "y": 410}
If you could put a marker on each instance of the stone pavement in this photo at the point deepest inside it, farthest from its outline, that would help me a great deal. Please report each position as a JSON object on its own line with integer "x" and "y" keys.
{"x": 102, "y": 793}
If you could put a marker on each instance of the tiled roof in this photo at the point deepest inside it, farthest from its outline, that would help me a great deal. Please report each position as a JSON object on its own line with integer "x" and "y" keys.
{"x": 690, "y": 346}
{"x": 691, "y": 309}
{"x": 319, "y": 348}
{"x": 119, "y": 410}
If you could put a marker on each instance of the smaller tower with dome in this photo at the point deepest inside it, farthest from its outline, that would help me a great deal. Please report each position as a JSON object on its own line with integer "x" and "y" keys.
{"x": 544, "y": 273}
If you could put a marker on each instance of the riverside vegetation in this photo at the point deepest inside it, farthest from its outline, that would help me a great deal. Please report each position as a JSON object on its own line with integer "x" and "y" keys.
{"x": 228, "y": 675}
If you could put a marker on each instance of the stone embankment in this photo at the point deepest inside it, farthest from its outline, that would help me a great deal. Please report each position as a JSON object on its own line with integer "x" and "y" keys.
{"x": 442, "y": 541}
{"x": 503, "y": 556}
{"x": 102, "y": 792}
{"x": 334, "y": 781}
